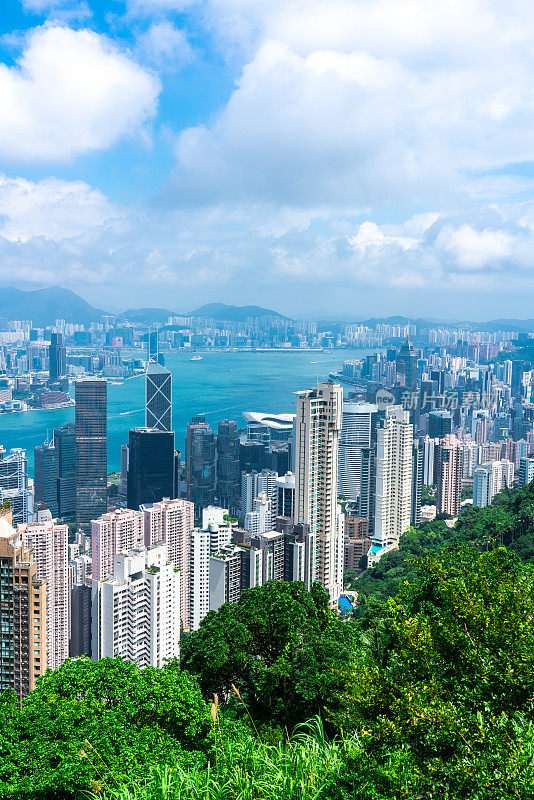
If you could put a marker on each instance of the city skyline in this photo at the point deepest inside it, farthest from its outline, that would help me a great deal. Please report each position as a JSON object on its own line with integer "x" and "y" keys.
{"x": 233, "y": 150}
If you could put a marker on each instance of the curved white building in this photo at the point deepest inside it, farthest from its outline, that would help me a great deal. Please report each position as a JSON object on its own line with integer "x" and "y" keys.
{"x": 356, "y": 434}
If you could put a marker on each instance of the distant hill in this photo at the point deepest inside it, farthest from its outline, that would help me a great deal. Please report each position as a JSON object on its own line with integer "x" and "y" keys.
{"x": 233, "y": 313}
{"x": 510, "y": 325}
{"x": 44, "y": 306}
{"x": 148, "y": 315}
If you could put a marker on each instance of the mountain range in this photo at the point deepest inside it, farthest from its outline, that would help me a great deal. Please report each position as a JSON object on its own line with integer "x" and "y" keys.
{"x": 44, "y": 306}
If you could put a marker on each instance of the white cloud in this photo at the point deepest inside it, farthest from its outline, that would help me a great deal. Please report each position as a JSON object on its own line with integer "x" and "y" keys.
{"x": 165, "y": 46}
{"x": 52, "y": 209}
{"x": 71, "y": 92}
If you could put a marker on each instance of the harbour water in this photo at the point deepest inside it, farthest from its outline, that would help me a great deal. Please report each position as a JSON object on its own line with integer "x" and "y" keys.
{"x": 221, "y": 385}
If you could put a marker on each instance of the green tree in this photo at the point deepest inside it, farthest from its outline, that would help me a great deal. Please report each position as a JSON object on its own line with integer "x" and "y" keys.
{"x": 91, "y": 725}
{"x": 281, "y": 646}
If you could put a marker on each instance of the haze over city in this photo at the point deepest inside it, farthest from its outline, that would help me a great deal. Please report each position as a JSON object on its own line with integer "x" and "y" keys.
{"x": 316, "y": 158}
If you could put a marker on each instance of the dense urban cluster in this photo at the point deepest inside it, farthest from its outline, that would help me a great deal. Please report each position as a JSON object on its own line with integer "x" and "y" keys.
{"x": 436, "y": 421}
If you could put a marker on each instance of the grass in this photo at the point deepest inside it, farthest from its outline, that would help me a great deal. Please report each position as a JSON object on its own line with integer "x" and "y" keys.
{"x": 301, "y": 768}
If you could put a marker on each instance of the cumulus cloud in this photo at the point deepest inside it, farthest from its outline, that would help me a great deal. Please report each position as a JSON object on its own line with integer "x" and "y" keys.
{"x": 71, "y": 92}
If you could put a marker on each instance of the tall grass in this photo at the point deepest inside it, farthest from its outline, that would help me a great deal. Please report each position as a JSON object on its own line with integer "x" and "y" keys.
{"x": 246, "y": 769}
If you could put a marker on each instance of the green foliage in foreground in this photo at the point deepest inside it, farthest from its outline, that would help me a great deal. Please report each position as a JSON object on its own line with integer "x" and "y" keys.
{"x": 430, "y": 696}
{"x": 87, "y": 718}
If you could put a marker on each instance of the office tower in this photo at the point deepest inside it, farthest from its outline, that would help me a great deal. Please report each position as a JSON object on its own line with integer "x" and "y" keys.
{"x": 136, "y": 610}
{"x": 439, "y": 424}
{"x": 418, "y": 462}
{"x": 14, "y": 485}
{"x": 394, "y": 464}
{"x": 285, "y": 495}
{"x": 449, "y": 459}
{"x": 57, "y": 354}
{"x": 407, "y": 366}
{"x": 358, "y": 423}
{"x": 22, "y": 614}
{"x": 150, "y": 466}
{"x": 45, "y": 485}
{"x": 65, "y": 447}
{"x": 171, "y": 521}
{"x": 200, "y": 465}
{"x": 123, "y": 482}
{"x": 49, "y": 544}
{"x": 158, "y": 397}
{"x": 80, "y": 621}
{"x": 318, "y": 426}
{"x": 228, "y": 472}
{"x": 253, "y": 456}
{"x": 526, "y": 471}
{"x": 91, "y": 451}
{"x": 112, "y": 533}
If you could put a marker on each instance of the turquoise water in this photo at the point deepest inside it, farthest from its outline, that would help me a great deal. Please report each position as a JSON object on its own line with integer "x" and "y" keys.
{"x": 222, "y": 385}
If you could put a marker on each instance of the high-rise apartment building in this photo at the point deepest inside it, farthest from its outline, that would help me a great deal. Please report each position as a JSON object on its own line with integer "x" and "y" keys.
{"x": 259, "y": 519}
{"x": 358, "y": 423}
{"x": 228, "y": 472}
{"x": 136, "y": 610}
{"x": 172, "y": 521}
{"x": 490, "y": 479}
{"x": 22, "y": 613}
{"x": 80, "y": 620}
{"x": 318, "y": 426}
{"x": 112, "y": 533}
{"x": 285, "y": 495}
{"x": 158, "y": 397}
{"x": 57, "y": 354}
{"x": 200, "y": 465}
{"x": 49, "y": 545}
{"x": 151, "y": 468}
{"x": 449, "y": 475}
{"x": 394, "y": 472}
{"x": 255, "y": 483}
{"x": 91, "y": 451}
{"x": 14, "y": 484}
{"x": 526, "y": 471}
{"x": 418, "y": 463}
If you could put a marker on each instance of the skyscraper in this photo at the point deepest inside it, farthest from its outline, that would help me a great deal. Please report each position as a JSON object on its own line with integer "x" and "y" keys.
{"x": 45, "y": 466}
{"x": 358, "y": 422}
{"x": 57, "y": 354}
{"x": 136, "y": 611}
{"x": 526, "y": 471}
{"x": 318, "y": 425}
{"x": 14, "y": 485}
{"x": 158, "y": 397}
{"x": 150, "y": 466}
{"x": 171, "y": 521}
{"x": 418, "y": 464}
{"x": 407, "y": 366}
{"x": 91, "y": 451}
{"x": 114, "y": 533}
{"x": 200, "y": 465}
{"x": 22, "y": 614}
{"x": 394, "y": 463}
{"x": 449, "y": 463}
{"x": 439, "y": 424}
{"x": 228, "y": 472}
{"x": 285, "y": 490}
{"x": 65, "y": 446}
{"x": 49, "y": 544}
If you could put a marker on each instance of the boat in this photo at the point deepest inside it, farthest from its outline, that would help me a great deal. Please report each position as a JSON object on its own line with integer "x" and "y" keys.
{"x": 196, "y": 358}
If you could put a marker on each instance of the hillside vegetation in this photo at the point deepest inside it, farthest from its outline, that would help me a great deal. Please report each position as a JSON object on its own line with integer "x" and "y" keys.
{"x": 427, "y": 692}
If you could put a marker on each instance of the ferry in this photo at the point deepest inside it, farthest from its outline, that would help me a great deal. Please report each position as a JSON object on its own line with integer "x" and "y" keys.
{"x": 196, "y": 358}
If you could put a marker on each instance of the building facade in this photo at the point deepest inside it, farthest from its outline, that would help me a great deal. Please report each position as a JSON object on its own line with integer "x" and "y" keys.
{"x": 91, "y": 451}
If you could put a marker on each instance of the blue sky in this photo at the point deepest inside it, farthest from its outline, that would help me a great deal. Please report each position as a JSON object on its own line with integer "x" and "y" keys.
{"x": 359, "y": 157}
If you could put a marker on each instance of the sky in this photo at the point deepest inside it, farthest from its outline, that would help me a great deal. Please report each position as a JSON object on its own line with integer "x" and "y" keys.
{"x": 318, "y": 157}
